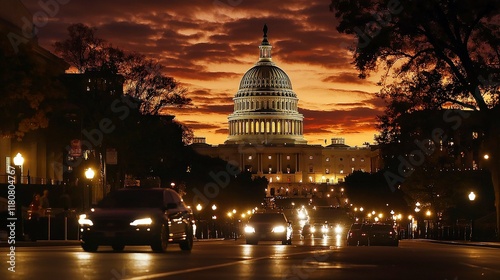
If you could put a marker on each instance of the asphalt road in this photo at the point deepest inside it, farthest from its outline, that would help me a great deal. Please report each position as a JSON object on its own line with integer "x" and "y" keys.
{"x": 229, "y": 259}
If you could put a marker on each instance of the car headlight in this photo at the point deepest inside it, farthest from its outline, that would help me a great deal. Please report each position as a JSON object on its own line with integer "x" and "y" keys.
{"x": 279, "y": 229}
{"x": 249, "y": 229}
{"x": 313, "y": 229}
{"x": 324, "y": 230}
{"x": 84, "y": 221}
{"x": 141, "y": 222}
{"x": 338, "y": 229}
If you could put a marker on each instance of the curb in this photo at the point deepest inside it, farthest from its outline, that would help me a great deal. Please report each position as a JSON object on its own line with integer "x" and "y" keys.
{"x": 462, "y": 243}
{"x": 41, "y": 243}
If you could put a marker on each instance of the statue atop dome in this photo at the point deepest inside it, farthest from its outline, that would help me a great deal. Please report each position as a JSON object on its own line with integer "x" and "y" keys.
{"x": 265, "y": 42}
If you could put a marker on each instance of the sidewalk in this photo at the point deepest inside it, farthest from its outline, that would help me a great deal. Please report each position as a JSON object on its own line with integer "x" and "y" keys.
{"x": 461, "y": 242}
{"x": 40, "y": 243}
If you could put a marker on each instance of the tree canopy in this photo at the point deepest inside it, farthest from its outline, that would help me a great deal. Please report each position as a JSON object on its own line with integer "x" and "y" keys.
{"x": 434, "y": 55}
{"x": 29, "y": 88}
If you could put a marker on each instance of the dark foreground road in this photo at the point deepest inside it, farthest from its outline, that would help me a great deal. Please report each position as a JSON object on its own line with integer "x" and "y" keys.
{"x": 309, "y": 259}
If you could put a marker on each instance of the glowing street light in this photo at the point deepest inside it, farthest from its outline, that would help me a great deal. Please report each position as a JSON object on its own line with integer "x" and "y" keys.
{"x": 214, "y": 207}
{"x": 472, "y": 196}
{"x": 89, "y": 174}
{"x": 199, "y": 207}
{"x": 18, "y": 159}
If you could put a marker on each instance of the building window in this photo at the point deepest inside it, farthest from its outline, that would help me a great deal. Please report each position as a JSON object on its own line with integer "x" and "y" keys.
{"x": 249, "y": 157}
{"x": 269, "y": 157}
{"x": 353, "y": 159}
{"x": 310, "y": 157}
{"x": 341, "y": 159}
{"x": 288, "y": 169}
{"x": 362, "y": 160}
{"x": 270, "y": 169}
{"x": 327, "y": 171}
{"x": 352, "y": 169}
{"x": 327, "y": 159}
{"x": 287, "y": 157}
{"x": 311, "y": 169}
{"x": 341, "y": 171}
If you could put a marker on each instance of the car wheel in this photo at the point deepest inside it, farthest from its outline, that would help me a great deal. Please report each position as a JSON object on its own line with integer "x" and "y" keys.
{"x": 118, "y": 247}
{"x": 187, "y": 245}
{"x": 160, "y": 242}
{"x": 89, "y": 247}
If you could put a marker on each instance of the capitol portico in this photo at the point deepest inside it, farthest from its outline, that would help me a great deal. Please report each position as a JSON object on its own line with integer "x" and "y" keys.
{"x": 266, "y": 137}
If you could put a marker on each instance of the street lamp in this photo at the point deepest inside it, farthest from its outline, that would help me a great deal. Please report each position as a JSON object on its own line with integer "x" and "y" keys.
{"x": 472, "y": 197}
{"x": 89, "y": 174}
{"x": 18, "y": 161}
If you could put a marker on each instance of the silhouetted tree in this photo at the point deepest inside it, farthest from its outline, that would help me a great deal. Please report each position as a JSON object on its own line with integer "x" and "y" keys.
{"x": 29, "y": 88}
{"x": 433, "y": 54}
{"x": 144, "y": 78}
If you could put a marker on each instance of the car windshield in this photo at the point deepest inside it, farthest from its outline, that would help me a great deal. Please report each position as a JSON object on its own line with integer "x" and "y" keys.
{"x": 267, "y": 218}
{"x": 132, "y": 199}
{"x": 356, "y": 226}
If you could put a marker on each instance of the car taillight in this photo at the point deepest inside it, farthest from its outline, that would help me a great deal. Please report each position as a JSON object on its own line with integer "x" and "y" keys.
{"x": 363, "y": 234}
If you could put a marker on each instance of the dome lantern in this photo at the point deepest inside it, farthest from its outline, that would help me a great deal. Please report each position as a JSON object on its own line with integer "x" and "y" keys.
{"x": 265, "y": 47}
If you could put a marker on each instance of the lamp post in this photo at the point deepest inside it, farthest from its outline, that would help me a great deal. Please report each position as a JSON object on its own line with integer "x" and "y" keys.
{"x": 18, "y": 161}
{"x": 214, "y": 218}
{"x": 428, "y": 214}
{"x": 200, "y": 227}
{"x": 472, "y": 197}
{"x": 89, "y": 174}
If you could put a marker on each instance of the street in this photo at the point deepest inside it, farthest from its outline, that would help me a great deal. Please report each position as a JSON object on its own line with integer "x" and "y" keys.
{"x": 229, "y": 259}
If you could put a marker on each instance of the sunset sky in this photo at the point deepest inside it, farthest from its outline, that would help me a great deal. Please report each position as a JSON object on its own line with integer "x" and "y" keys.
{"x": 208, "y": 46}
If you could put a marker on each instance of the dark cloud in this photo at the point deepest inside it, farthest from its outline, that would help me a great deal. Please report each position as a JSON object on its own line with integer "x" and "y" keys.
{"x": 346, "y": 78}
{"x": 196, "y": 39}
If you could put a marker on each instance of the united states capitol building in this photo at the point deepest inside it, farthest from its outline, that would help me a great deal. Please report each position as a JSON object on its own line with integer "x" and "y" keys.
{"x": 266, "y": 137}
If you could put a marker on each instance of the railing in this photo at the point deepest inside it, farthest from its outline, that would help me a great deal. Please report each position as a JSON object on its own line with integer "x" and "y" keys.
{"x": 29, "y": 180}
{"x": 52, "y": 224}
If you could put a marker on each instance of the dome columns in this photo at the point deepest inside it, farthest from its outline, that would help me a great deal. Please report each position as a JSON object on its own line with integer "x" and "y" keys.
{"x": 269, "y": 126}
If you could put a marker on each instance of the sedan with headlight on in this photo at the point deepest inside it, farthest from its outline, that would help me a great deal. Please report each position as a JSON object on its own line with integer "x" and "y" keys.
{"x": 268, "y": 226}
{"x": 138, "y": 216}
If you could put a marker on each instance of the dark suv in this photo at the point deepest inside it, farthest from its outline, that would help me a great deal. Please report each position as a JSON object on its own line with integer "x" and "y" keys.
{"x": 268, "y": 226}
{"x": 138, "y": 216}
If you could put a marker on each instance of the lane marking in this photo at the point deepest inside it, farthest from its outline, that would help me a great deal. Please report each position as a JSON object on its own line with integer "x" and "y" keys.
{"x": 480, "y": 267}
{"x": 170, "y": 273}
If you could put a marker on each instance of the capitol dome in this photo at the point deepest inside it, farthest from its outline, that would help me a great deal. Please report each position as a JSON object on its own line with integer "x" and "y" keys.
{"x": 265, "y": 76}
{"x": 265, "y": 106}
